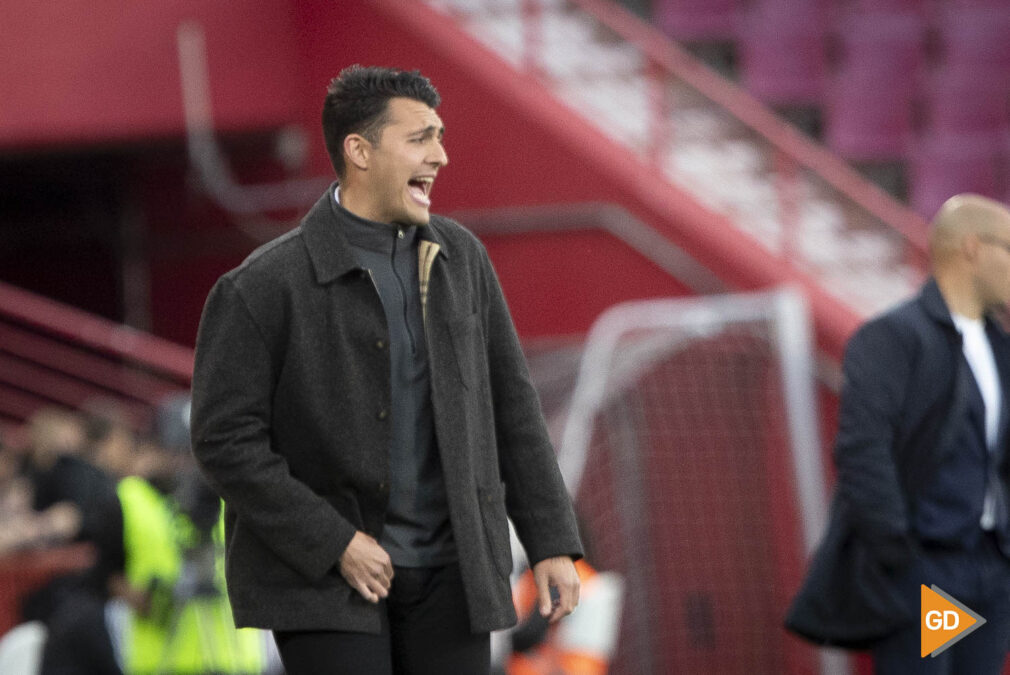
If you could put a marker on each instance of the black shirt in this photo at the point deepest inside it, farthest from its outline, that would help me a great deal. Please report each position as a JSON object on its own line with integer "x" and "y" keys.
{"x": 417, "y": 532}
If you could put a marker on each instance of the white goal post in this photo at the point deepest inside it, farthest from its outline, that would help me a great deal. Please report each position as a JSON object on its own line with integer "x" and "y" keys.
{"x": 692, "y": 449}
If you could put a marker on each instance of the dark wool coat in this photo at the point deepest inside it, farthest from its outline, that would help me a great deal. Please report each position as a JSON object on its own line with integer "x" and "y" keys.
{"x": 903, "y": 400}
{"x": 291, "y": 398}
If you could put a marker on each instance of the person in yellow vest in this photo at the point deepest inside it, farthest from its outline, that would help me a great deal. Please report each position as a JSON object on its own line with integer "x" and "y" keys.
{"x": 581, "y": 643}
{"x": 182, "y": 624}
{"x": 174, "y": 555}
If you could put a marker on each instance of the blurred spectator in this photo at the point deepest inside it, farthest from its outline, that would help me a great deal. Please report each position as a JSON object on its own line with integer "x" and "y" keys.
{"x": 23, "y": 526}
{"x": 580, "y": 644}
{"x": 61, "y": 476}
{"x": 109, "y": 440}
{"x": 54, "y": 433}
{"x": 80, "y": 640}
{"x": 166, "y": 611}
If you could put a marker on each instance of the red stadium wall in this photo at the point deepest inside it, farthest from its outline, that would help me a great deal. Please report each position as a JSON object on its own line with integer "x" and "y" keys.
{"x": 81, "y": 72}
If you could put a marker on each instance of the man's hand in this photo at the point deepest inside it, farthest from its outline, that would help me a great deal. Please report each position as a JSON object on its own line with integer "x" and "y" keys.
{"x": 556, "y": 573}
{"x": 367, "y": 567}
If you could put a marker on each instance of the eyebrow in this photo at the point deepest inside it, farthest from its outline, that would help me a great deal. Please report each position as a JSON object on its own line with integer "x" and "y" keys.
{"x": 429, "y": 130}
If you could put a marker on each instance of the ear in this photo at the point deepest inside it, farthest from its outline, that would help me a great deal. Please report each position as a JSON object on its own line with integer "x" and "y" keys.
{"x": 970, "y": 245}
{"x": 357, "y": 151}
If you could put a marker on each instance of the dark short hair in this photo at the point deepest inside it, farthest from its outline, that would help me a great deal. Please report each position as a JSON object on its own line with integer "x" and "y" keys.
{"x": 357, "y": 103}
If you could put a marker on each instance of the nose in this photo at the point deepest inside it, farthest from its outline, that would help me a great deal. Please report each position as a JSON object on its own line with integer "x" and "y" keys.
{"x": 439, "y": 157}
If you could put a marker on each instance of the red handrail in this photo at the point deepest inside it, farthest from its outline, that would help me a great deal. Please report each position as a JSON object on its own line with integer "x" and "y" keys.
{"x": 24, "y": 571}
{"x": 60, "y": 387}
{"x": 96, "y": 333}
{"x": 16, "y": 404}
{"x": 103, "y": 373}
{"x": 708, "y": 235}
{"x": 660, "y": 50}
{"x": 53, "y": 354}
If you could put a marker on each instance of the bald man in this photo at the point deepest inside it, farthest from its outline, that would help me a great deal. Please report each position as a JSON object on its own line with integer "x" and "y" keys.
{"x": 921, "y": 453}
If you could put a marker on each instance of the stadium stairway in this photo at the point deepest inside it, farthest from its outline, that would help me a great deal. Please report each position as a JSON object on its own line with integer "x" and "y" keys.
{"x": 696, "y": 158}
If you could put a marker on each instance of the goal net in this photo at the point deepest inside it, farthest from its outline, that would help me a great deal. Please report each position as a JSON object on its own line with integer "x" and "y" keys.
{"x": 691, "y": 446}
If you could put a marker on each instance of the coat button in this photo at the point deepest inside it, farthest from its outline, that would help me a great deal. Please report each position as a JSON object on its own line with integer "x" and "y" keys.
{"x": 383, "y": 414}
{"x": 380, "y": 344}
{"x": 382, "y": 486}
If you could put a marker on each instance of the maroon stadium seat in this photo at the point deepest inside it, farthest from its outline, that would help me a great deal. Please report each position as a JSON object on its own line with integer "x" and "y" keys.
{"x": 783, "y": 51}
{"x": 867, "y": 118}
{"x": 944, "y": 165}
{"x": 976, "y": 39}
{"x": 697, "y": 19}
{"x": 869, "y": 109}
{"x": 957, "y": 102}
{"x": 915, "y": 6}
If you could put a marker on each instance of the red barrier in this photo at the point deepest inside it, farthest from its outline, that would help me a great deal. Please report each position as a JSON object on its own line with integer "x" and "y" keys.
{"x": 23, "y": 572}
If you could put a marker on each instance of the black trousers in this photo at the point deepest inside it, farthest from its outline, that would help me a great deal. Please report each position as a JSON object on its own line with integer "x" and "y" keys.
{"x": 425, "y": 631}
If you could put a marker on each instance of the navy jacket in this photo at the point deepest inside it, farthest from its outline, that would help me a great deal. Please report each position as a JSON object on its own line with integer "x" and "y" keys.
{"x": 904, "y": 401}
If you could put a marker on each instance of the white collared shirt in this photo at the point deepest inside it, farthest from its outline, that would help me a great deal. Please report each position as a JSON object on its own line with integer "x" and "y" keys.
{"x": 978, "y": 353}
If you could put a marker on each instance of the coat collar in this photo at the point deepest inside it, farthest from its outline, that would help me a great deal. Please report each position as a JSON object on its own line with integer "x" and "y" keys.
{"x": 329, "y": 249}
{"x": 935, "y": 306}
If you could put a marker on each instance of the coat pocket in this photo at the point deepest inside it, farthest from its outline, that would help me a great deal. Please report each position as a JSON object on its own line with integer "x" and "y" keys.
{"x": 496, "y": 527}
{"x": 848, "y": 598}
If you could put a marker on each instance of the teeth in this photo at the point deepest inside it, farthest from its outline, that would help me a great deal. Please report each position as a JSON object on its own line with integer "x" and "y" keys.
{"x": 424, "y": 183}
{"x": 420, "y": 194}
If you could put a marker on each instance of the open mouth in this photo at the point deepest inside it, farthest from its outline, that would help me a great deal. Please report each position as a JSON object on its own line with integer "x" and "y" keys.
{"x": 420, "y": 189}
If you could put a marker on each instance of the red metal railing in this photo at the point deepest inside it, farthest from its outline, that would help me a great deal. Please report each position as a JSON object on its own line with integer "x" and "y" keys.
{"x": 869, "y": 251}
{"x": 666, "y": 59}
{"x": 52, "y": 354}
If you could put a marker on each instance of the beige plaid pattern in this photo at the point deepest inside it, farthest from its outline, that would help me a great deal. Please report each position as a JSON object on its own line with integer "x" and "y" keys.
{"x": 426, "y": 252}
